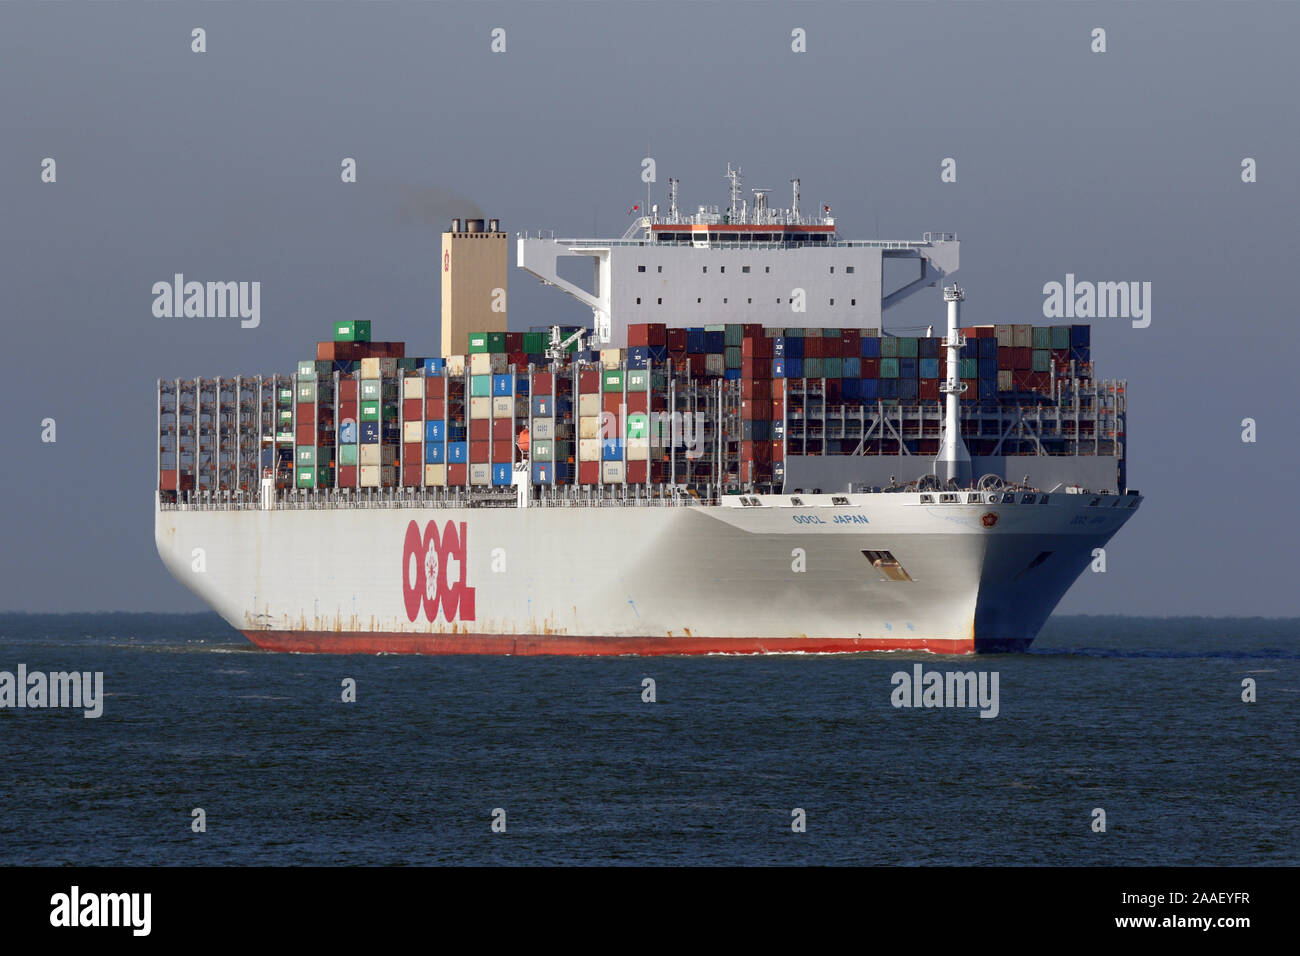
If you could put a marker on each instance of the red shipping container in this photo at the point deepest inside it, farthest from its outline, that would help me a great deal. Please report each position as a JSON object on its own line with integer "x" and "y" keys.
{"x": 636, "y": 472}
{"x": 756, "y": 367}
{"x": 306, "y": 434}
{"x": 676, "y": 340}
{"x": 589, "y": 381}
{"x": 347, "y": 410}
{"x": 588, "y": 472}
{"x": 929, "y": 388}
{"x": 985, "y": 332}
{"x": 501, "y": 450}
{"x": 778, "y": 410}
{"x": 167, "y": 480}
{"x": 1006, "y": 357}
{"x": 543, "y": 383}
{"x": 834, "y": 390}
{"x": 756, "y": 388}
{"x": 480, "y": 429}
{"x": 347, "y": 390}
{"x": 756, "y": 451}
{"x": 611, "y": 401}
{"x": 753, "y": 330}
{"x": 637, "y": 401}
{"x": 757, "y": 347}
{"x": 480, "y": 452}
{"x": 871, "y": 368}
{"x": 1062, "y": 358}
{"x": 514, "y": 341}
{"x": 412, "y": 451}
{"x": 778, "y": 450}
{"x": 501, "y": 429}
{"x": 413, "y": 474}
{"x": 778, "y": 388}
{"x": 412, "y": 410}
{"x": 638, "y": 333}
{"x": 812, "y": 348}
{"x": 1022, "y": 359}
{"x": 456, "y": 474}
{"x": 435, "y": 386}
{"x": 347, "y": 476}
{"x": 433, "y": 409}
{"x": 306, "y": 413}
{"x": 1040, "y": 381}
{"x": 755, "y": 410}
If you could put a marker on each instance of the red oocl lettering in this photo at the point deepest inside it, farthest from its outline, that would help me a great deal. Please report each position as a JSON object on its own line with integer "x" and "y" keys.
{"x": 424, "y": 572}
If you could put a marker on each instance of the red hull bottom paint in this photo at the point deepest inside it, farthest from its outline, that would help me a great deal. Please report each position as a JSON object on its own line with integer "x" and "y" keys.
{"x": 393, "y": 642}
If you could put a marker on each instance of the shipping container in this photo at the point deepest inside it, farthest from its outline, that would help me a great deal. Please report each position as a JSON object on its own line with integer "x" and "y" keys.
{"x": 435, "y": 474}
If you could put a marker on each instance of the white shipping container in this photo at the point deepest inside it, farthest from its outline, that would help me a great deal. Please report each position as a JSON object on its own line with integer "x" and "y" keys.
{"x": 638, "y": 449}
{"x": 480, "y": 363}
{"x": 543, "y": 428}
{"x": 611, "y": 358}
{"x": 1022, "y": 336}
{"x": 435, "y": 474}
{"x": 480, "y": 407}
{"x": 589, "y": 426}
{"x": 413, "y": 431}
{"x": 502, "y": 407}
{"x": 612, "y": 472}
{"x": 588, "y": 449}
{"x": 1004, "y": 380}
{"x": 588, "y": 405}
{"x": 378, "y": 368}
{"x": 373, "y": 476}
{"x": 455, "y": 366}
{"x": 413, "y": 387}
{"x": 715, "y": 364}
{"x": 480, "y": 474}
{"x": 378, "y": 454}
{"x": 1004, "y": 336}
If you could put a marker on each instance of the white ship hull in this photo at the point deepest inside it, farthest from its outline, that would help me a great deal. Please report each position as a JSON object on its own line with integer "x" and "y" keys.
{"x": 627, "y": 579}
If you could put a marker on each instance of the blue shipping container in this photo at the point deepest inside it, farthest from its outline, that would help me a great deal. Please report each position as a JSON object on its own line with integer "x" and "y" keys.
{"x": 1080, "y": 335}
{"x": 870, "y": 389}
{"x": 732, "y": 374}
{"x": 870, "y": 347}
{"x": 929, "y": 367}
{"x": 908, "y": 389}
{"x": 369, "y": 432}
{"x": 543, "y": 406}
{"x": 348, "y": 431}
{"x": 501, "y": 473}
{"x": 793, "y": 366}
{"x": 503, "y": 385}
{"x": 852, "y": 368}
{"x": 989, "y": 366}
{"x": 715, "y": 341}
{"x": 988, "y": 348}
{"x": 611, "y": 449}
{"x": 888, "y": 388}
{"x": 434, "y": 366}
{"x": 433, "y": 431}
{"x": 908, "y": 368}
{"x": 695, "y": 341}
{"x": 543, "y": 474}
{"x": 435, "y": 453}
{"x": 457, "y": 452}
{"x": 971, "y": 349}
{"x": 778, "y": 368}
{"x": 778, "y": 346}
{"x": 657, "y": 353}
{"x": 793, "y": 347}
{"x": 851, "y": 388}
{"x": 928, "y": 347}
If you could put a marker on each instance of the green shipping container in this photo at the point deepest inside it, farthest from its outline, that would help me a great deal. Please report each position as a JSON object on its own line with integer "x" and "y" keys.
{"x": 907, "y": 347}
{"x": 1042, "y": 360}
{"x": 347, "y": 454}
{"x": 409, "y": 364}
{"x": 542, "y": 450}
{"x": 306, "y": 455}
{"x": 638, "y": 425}
{"x": 731, "y": 357}
{"x": 889, "y": 347}
{"x": 286, "y": 416}
{"x": 812, "y": 368}
{"x": 480, "y": 386}
{"x": 716, "y": 328}
{"x": 306, "y": 477}
{"x": 833, "y": 367}
{"x": 286, "y": 396}
{"x": 306, "y": 391}
{"x": 1043, "y": 337}
{"x": 535, "y": 342}
{"x": 1060, "y": 336}
{"x": 794, "y": 333}
{"x": 612, "y": 381}
{"x": 324, "y": 369}
{"x": 970, "y": 368}
{"x": 889, "y": 368}
{"x": 371, "y": 389}
{"x": 831, "y": 333}
{"x": 478, "y": 343}
{"x": 638, "y": 380}
{"x": 358, "y": 331}
{"x": 307, "y": 370}
{"x": 733, "y": 335}
{"x": 284, "y": 437}
{"x": 496, "y": 341}
{"x": 370, "y": 411}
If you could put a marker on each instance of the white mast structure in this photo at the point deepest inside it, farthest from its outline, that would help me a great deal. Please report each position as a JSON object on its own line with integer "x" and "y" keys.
{"x": 953, "y": 461}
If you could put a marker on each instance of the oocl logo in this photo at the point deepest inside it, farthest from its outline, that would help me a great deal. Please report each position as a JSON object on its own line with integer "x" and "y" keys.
{"x": 425, "y": 568}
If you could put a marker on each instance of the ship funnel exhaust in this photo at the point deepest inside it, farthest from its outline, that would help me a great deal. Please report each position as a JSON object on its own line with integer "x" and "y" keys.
{"x": 952, "y": 464}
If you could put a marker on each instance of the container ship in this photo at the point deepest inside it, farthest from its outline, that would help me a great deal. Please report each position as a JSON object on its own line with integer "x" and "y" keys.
{"x": 734, "y": 456}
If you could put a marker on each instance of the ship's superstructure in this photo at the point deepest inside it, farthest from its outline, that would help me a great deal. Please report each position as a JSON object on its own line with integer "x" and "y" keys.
{"x": 746, "y": 486}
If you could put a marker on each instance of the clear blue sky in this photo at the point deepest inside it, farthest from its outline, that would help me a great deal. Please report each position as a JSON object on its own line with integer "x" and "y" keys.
{"x": 225, "y": 165}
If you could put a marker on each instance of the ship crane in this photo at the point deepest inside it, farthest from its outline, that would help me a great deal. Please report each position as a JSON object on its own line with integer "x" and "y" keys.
{"x": 557, "y": 348}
